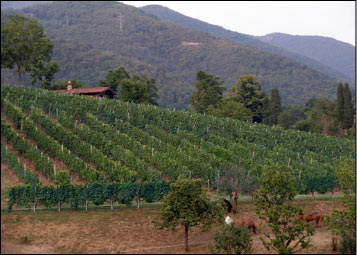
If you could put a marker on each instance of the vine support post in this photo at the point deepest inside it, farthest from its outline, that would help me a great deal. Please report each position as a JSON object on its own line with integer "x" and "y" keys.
{"x": 34, "y": 199}
{"x": 217, "y": 182}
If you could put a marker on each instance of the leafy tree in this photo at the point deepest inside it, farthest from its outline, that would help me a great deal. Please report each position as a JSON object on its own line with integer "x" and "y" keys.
{"x": 230, "y": 109}
{"x": 24, "y": 45}
{"x": 310, "y": 103}
{"x": 139, "y": 90}
{"x": 275, "y": 106}
{"x": 340, "y": 104}
{"x": 151, "y": 89}
{"x": 208, "y": 92}
{"x": 347, "y": 107}
{"x": 273, "y": 205}
{"x": 247, "y": 91}
{"x": 59, "y": 84}
{"x": 187, "y": 205}
{"x": 290, "y": 115}
{"x": 302, "y": 125}
{"x": 322, "y": 115}
{"x": 45, "y": 74}
{"x": 233, "y": 240}
{"x": 114, "y": 78}
{"x": 343, "y": 222}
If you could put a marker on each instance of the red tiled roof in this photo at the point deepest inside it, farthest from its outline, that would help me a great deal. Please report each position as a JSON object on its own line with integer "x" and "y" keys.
{"x": 85, "y": 90}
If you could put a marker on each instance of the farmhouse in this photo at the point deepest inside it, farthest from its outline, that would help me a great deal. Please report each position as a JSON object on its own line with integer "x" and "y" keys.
{"x": 92, "y": 92}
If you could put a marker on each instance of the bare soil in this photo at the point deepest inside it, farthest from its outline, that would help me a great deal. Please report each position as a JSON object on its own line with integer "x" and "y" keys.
{"x": 126, "y": 230}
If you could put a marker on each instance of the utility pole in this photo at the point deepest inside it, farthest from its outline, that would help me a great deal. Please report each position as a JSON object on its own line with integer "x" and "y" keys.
{"x": 121, "y": 21}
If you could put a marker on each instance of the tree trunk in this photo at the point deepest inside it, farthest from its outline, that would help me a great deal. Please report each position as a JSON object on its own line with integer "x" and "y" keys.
{"x": 19, "y": 82}
{"x": 186, "y": 238}
{"x": 86, "y": 205}
{"x": 59, "y": 206}
{"x": 138, "y": 202}
{"x": 111, "y": 204}
{"x": 235, "y": 201}
{"x": 333, "y": 194}
{"x": 230, "y": 197}
{"x": 313, "y": 195}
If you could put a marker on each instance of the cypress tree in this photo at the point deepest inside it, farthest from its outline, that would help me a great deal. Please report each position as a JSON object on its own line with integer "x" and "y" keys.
{"x": 275, "y": 106}
{"x": 348, "y": 113}
{"x": 340, "y": 105}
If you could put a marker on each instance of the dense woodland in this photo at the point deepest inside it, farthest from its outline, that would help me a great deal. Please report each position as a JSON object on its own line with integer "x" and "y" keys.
{"x": 88, "y": 43}
{"x": 327, "y": 56}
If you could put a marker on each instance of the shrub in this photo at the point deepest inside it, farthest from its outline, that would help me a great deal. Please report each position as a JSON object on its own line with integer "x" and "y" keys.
{"x": 233, "y": 240}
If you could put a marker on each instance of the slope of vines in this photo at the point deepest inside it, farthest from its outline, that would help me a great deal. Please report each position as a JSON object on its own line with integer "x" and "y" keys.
{"x": 150, "y": 141}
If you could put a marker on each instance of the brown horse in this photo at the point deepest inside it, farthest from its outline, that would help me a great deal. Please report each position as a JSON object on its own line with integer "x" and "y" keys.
{"x": 315, "y": 216}
{"x": 249, "y": 224}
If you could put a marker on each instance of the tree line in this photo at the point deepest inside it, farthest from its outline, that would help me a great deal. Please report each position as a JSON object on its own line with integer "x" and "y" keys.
{"x": 245, "y": 101}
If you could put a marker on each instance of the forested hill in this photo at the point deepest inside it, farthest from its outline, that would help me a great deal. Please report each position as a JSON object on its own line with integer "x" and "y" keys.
{"x": 88, "y": 42}
{"x": 318, "y": 64}
{"x": 20, "y": 4}
{"x": 334, "y": 53}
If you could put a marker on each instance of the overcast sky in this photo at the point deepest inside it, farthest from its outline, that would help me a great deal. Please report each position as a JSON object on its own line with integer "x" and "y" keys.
{"x": 334, "y": 19}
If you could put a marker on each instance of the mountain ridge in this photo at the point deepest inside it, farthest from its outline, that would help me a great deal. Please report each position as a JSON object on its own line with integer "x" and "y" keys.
{"x": 91, "y": 43}
{"x": 337, "y": 54}
{"x": 174, "y": 17}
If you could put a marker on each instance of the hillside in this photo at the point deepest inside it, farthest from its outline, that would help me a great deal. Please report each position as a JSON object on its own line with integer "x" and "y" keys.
{"x": 92, "y": 44}
{"x": 20, "y": 4}
{"x": 119, "y": 141}
{"x": 334, "y": 53}
{"x": 123, "y": 152}
{"x": 169, "y": 15}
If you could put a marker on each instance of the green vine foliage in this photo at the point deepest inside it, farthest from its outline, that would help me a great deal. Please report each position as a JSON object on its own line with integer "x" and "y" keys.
{"x": 77, "y": 194}
{"x": 150, "y": 142}
{"x": 14, "y": 163}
